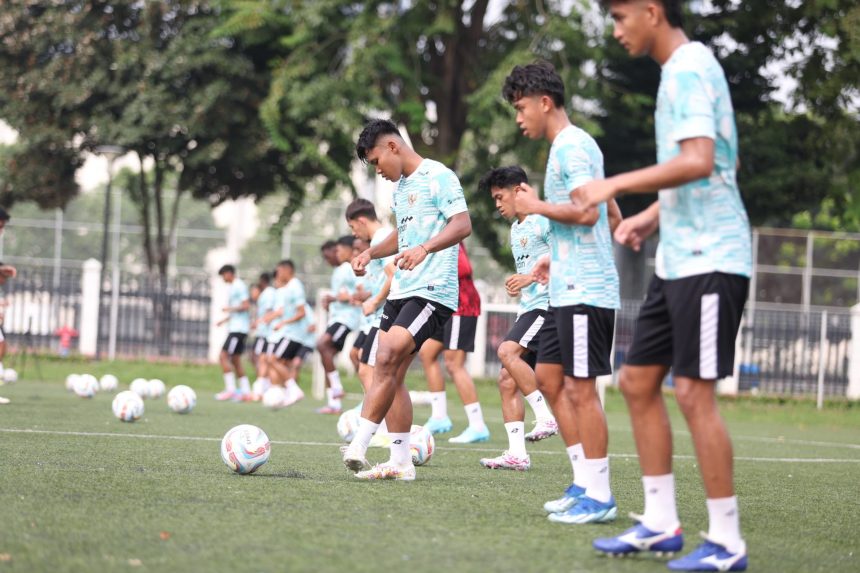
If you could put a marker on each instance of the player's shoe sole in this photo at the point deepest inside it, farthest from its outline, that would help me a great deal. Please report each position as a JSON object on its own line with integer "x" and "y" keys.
{"x": 388, "y": 472}
{"x": 640, "y": 539}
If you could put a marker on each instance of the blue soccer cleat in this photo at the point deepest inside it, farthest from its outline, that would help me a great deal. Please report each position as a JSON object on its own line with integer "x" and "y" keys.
{"x": 586, "y": 510}
{"x": 710, "y": 556}
{"x": 471, "y": 436}
{"x": 439, "y": 425}
{"x": 566, "y": 501}
{"x": 639, "y": 538}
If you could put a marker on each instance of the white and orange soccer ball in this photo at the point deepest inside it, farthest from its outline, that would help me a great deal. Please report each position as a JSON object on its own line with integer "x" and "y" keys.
{"x": 347, "y": 424}
{"x": 181, "y": 399}
{"x": 155, "y": 388}
{"x": 86, "y": 386}
{"x": 70, "y": 382}
{"x": 127, "y": 406}
{"x": 10, "y": 376}
{"x": 245, "y": 448}
{"x": 274, "y": 397}
{"x": 140, "y": 386}
{"x": 421, "y": 444}
{"x": 109, "y": 383}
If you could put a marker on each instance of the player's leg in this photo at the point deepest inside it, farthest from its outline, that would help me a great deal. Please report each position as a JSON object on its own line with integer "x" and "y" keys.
{"x": 224, "y": 359}
{"x": 329, "y": 345}
{"x": 513, "y": 414}
{"x": 355, "y": 355}
{"x": 236, "y": 360}
{"x": 511, "y": 356}
{"x": 262, "y": 383}
{"x": 455, "y": 364}
{"x": 439, "y": 422}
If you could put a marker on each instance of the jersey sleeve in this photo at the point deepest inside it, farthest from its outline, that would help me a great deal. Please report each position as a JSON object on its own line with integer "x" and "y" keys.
{"x": 577, "y": 167}
{"x": 299, "y": 296}
{"x": 448, "y": 194}
{"x": 545, "y": 229}
{"x": 692, "y": 108}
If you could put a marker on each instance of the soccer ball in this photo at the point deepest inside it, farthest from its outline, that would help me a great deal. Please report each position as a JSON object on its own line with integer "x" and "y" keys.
{"x": 155, "y": 388}
{"x": 181, "y": 399}
{"x": 70, "y": 382}
{"x": 257, "y": 389}
{"x": 10, "y": 376}
{"x": 245, "y": 448}
{"x": 140, "y": 386}
{"x": 421, "y": 444}
{"x": 127, "y": 406}
{"x": 347, "y": 424}
{"x": 274, "y": 397}
{"x": 109, "y": 383}
{"x": 86, "y": 386}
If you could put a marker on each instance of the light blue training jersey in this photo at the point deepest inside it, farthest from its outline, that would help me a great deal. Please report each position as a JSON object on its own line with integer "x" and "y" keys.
{"x": 530, "y": 240}
{"x": 265, "y": 303}
{"x": 343, "y": 279}
{"x": 308, "y": 338}
{"x": 376, "y": 273}
{"x": 703, "y": 224}
{"x": 240, "y": 321}
{"x": 423, "y": 203}
{"x": 582, "y": 269}
{"x": 288, "y": 298}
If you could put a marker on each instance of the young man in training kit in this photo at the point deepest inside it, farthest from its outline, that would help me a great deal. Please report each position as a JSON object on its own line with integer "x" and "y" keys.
{"x": 343, "y": 319}
{"x": 432, "y": 218}
{"x": 238, "y": 324}
{"x": 263, "y": 304}
{"x": 576, "y": 342}
{"x": 690, "y": 317}
{"x": 6, "y": 272}
{"x": 530, "y": 239}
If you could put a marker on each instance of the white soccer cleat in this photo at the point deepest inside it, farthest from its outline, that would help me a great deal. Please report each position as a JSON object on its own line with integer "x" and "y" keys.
{"x": 388, "y": 470}
{"x": 354, "y": 459}
{"x": 543, "y": 429}
{"x": 507, "y": 461}
{"x": 4, "y": 400}
{"x": 293, "y": 397}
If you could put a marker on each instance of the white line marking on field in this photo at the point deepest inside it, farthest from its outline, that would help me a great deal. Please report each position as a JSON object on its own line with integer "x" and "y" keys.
{"x": 454, "y": 448}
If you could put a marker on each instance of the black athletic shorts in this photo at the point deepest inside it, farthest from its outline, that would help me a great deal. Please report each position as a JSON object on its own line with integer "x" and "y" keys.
{"x": 368, "y": 351}
{"x": 359, "y": 340}
{"x": 304, "y": 352}
{"x": 421, "y": 317}
{"x": 287, "y": 349}
{"x": 579, "y": 337}
{"x": 690, "y": 324}
{"x": 235, "y": 343}
{"x": 338, "y": 333}
{"x": 458, "y": 333}
{"x": 260, "y": 345}
{"x": 526, "y": 332}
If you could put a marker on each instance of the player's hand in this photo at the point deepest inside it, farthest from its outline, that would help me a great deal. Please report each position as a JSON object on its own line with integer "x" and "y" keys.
{"x": 516, "y": 283}
{"x": 410, "y": 258}
{"x": 8, "y": 271}
{"x": 633, "y": 231}
{"x": 367, "y": 307}
{"x": 526, "y": 199}
{"x": 540, "y": 272}
{"x": 222, "y": 322}
{"x": 359, "y": 263}
{"x": 595, "y": 192}
{"x": 326, "y": 301}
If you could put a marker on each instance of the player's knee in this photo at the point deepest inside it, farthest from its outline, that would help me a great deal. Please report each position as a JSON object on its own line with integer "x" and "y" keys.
{"x": 508, "y": 352}
{"x": 580, "y": 393}
{"x": 693, "y": 397}
{"x": 629, "y": 388}
{"x": 452, "y": 365}
{"x": 387, "y": 359}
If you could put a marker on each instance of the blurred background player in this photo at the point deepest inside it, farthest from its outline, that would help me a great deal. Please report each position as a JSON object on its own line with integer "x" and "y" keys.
{"x": 695, "y": 301}
{"x": 432, "y": 218}
{"x": 263, "y": 304}
{"x": 576, "y": 343}
{"x": 530, "y": 238}
{"x": 361, "y": 294}
{"x": 308, "y": 339}
{"x": 287, "y": 321}
{"x": 6, "y": 272}
{"x": 343, "y": 318}
{"x": 238, "y": 324}
{"x": 454, "y": 340}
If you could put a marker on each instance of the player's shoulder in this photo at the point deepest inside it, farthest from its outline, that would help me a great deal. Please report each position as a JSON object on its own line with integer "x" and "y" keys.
{"x": 437, "y": 171}
{"x": 692, "y": 57}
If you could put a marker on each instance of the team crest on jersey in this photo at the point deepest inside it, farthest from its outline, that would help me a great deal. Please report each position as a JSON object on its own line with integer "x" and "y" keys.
{"x": 524, "y": 241}
{"x": 412, "y": 199}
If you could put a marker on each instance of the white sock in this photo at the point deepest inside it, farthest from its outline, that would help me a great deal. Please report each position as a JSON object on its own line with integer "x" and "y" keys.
{"x": 439, "y": 405}
{"x": 597, "y": 471}
{"x": 725, "y": 523}
{"x": 292, "y": 388}
{"x": 539, "y": 405}
{"x": 399, "y": 448}
{"x": 265, "y": 384}
{"x": 229, "y": 381}
{"x": 244, "y": 385}
{"x": 516, "y": 438}
{"x": 383, "y": 428}
{"x": 661, "y": 512}
{"x": 363, "y": 434}
{"x": 476, "y": 417}
{"x": 576, "y": 455}
{"x": 332, "y": 402}
{"x": 334, "y": 380}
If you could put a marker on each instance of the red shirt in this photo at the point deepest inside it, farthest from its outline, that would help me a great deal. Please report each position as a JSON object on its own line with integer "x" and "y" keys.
{"x": 470, "y": 301}
{"x": 66, "y": 333}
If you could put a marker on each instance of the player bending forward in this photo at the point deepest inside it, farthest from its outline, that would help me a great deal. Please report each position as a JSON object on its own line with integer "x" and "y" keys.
{"x": 432, "y": 218}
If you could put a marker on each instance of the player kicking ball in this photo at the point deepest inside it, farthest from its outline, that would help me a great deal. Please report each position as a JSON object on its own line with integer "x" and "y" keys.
{"x": 432, "y": 218}
{"x": 695, "y": 301}
{"x": 576, "y": 339}
{"x": 530, "y": 239}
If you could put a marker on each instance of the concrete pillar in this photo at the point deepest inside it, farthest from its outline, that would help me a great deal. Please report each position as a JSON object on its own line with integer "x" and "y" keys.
{"x": 477, "y": 361}
{"x": 217, "y": 334}
{"x": 90, "y": 298}
{"x": 320, "y": 320}
{"x": 853, "y": 392}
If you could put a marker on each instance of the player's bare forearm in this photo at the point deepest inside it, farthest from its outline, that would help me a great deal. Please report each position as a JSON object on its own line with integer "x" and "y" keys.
{"x": 696, "y": 161}
{"x": 614, "y": 214}
{"x": 569, "y": 213}
{"x": 459, "y": 227}
{"x": 300, "y": 314}
{"x": 386, "y": 248}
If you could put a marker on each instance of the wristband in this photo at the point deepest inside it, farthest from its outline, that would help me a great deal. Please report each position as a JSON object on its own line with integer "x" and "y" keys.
{"x": 426, "y": 252}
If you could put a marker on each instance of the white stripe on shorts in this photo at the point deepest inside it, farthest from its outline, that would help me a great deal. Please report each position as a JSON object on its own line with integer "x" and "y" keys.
{"x": 455, "y": 333}
{"x": 282, "y": 346}
{"x": 531, "y": 332}
{"x": 338, "y": 333}
{"x": 371, "y": 357}
{"x": 580, "y": 345}
{"x": 421, "y": 319}
{"x": 709, "y": 321}
{"x": 231, "y": 349}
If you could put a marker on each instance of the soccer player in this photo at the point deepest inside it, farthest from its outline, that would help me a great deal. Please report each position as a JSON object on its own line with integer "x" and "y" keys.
{"x": 238, "y": 323}
{"x": 308, "y": 339}
{"x": 576, "y": 342}
{"x": 264, "y": 303}
{"x": 432, "y": 218}
{"x": 361, "y": 294}
{"x": 455, "y": 339}
{"x": 6, "y": 272}
{"x": 287, "y": 322}
{"x": 530, "y": 240}
{"x": 691, "y": 314}
{"x": 343, "y": 319}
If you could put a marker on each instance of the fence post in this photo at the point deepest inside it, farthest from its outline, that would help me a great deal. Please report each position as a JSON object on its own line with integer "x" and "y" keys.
{"x": 853, "y": 392}
{"x": 822, "y": 361}
{"x": 90, "y": 299}
{"x": 478, "y": 358}
{"x": 320, "y": 319}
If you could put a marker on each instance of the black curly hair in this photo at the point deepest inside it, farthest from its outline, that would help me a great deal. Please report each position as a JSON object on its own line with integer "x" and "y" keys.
{"x": 502, "y": 177}
{"x": 539, "y": 78}
{"x": 673, "y": 8}
{"x": 373, "y": 130}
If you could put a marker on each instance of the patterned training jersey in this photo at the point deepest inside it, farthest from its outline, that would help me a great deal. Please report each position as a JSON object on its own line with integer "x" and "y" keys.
{"x": 469, "y": 300}
{"x": 265, "y": 303}
{"x": 703, "y": 224}
{"x": 240, "y": 321}
{"x": 423, "y": 203}
{"x": 308, "y": 338}
{"x": 530, "y": 240}
{"x": 279, "y": 302}
{"x": 376, "y": 272}
{"x": 343, "y": 279}
{"x": 582, "y": 269}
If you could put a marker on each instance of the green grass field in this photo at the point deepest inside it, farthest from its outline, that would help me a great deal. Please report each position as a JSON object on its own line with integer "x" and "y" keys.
{"x": 81, "y": 491}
